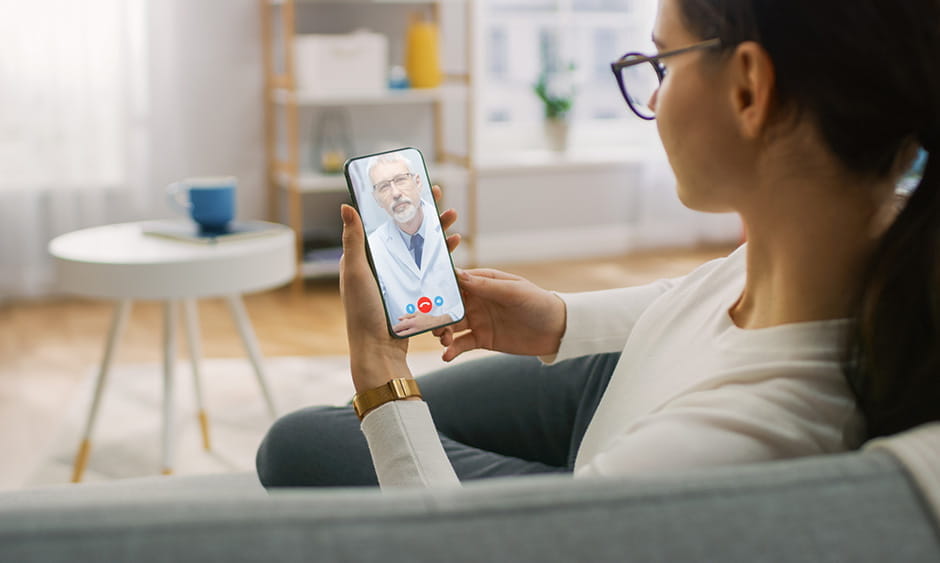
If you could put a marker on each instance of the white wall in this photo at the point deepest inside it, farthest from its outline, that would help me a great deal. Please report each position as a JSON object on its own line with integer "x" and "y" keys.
{"x": 206, "y": 87}
{"x": 590, "y": 212}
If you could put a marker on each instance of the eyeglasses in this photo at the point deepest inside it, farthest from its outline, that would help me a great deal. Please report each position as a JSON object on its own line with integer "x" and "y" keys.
{"x": 399, "y": 181}
{"x": 638, "y": 80}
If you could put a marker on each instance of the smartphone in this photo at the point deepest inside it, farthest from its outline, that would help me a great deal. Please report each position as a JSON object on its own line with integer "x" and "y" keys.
{"x": 405, "y": 242}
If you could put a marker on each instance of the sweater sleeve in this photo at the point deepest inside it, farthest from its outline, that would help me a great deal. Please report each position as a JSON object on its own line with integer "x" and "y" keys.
{"x": 406, "y": 450}
{"x": 601, "y": 321}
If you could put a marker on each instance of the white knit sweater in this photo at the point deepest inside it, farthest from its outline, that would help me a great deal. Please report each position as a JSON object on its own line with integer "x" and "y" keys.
{"x": 691, "y": 389}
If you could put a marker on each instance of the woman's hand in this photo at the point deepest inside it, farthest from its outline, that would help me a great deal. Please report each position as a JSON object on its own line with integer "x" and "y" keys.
{"x": 374, "y": 356}
{"x": 506, "y": 313}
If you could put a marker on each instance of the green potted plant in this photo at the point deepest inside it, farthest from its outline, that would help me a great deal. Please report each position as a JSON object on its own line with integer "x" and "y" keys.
{"x": 555, "y": 88}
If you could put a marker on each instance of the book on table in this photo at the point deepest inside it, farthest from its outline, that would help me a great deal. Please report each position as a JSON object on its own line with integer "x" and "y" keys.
{"x": 188, "y": 231}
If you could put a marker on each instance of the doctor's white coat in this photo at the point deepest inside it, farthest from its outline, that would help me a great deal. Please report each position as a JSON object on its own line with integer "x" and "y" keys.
{"x": 402, "y": 283}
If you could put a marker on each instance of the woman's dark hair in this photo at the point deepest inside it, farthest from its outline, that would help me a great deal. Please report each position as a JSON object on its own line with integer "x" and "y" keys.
{"x": 867, "y": 72}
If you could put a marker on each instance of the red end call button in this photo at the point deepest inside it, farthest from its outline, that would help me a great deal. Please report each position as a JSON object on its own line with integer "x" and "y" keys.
{"x": 424, "y": 305}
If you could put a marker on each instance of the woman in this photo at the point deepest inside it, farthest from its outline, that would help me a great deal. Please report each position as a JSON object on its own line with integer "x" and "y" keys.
{"x": 820, "y": 332}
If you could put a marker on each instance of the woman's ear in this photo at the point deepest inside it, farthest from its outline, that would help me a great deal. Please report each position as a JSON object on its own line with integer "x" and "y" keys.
{"x": 752, "y": 78}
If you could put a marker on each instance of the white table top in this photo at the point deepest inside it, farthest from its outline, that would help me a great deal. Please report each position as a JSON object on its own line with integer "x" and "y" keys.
{"x": 121, "y": 262}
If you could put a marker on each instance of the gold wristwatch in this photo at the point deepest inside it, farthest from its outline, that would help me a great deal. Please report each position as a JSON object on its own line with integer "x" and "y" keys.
{"x": 394, "y": 390}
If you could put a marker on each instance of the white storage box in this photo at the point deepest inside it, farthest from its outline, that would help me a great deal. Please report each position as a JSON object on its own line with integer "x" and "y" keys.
{"x": 349, "y": 64}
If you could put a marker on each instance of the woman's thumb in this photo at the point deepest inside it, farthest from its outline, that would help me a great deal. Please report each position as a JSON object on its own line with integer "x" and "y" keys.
{"x": 352, "y": 227}
{"x": 480, "y": 285}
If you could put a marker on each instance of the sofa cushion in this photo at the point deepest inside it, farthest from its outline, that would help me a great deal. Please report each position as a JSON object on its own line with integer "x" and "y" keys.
{"x": 851, "y": 507}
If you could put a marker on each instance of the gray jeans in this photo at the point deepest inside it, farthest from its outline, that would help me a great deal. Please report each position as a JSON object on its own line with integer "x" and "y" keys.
{"x": 497, "y": 416}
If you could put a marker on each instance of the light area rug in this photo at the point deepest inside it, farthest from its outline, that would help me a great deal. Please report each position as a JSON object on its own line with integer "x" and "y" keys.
{"x": 127, "y": 438}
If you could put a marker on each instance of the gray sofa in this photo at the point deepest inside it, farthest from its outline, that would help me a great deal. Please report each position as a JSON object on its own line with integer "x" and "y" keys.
{"x": 854, "y": 507}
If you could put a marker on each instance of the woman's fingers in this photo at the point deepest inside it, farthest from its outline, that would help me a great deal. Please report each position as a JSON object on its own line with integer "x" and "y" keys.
{"x": 444, "y": 335}
{"x": 463, "y": 343}
{"x": 448, "y": 218}
{"x": 453, "y": 241}
{"x": 497, "y": 289}
{"x": 489, "y": 273}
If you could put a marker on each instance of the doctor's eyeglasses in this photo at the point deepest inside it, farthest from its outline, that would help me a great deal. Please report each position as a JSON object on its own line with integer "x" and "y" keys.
{"x": 399, "y": 181}
{"x": 639, "y": 76}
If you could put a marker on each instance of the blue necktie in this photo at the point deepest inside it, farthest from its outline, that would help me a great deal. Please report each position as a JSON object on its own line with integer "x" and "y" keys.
{"x": 417, "y": 245}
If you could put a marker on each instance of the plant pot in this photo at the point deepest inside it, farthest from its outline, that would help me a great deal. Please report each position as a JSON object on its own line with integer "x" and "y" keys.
{"x": 556, "y": 134}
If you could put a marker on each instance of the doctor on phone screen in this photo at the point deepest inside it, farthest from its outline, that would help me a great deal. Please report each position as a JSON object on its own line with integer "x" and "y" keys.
{"x": 409, "y": 251}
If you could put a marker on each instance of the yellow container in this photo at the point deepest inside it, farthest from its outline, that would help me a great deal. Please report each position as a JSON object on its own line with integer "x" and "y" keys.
{"x": 422, "y": 59}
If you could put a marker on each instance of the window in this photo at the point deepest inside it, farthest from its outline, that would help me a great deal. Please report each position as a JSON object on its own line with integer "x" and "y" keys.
{"x": 521, "y": 37}
{"x": 498, "y": 53}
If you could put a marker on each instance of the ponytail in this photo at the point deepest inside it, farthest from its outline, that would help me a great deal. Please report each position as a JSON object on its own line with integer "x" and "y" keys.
{"x": 894, "y": 354}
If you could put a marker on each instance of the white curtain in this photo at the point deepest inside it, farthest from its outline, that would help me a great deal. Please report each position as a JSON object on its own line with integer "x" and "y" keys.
{"x": 105, "y": 102}
{"x": 73, "y": 127}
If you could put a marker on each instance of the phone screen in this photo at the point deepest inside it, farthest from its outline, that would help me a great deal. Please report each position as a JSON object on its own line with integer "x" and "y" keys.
{"x": 405, "y": 241}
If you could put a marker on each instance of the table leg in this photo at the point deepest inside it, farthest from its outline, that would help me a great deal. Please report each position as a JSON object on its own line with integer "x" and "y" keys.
{"x": 169, "y": 362}
{"x": 195, "y": 356}
{"x": 251, "y": 346}
{"x": 118, "y": 321}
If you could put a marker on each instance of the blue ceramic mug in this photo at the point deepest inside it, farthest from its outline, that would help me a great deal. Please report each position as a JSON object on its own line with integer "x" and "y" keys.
{"x": 210, "y": 201}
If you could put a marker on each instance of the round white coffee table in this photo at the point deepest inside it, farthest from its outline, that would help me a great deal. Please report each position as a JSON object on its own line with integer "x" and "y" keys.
{"x": 121, "y": 262}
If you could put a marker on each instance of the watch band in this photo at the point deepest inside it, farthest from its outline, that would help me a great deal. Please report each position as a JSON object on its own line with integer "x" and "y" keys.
{"x": 394, "y": 390}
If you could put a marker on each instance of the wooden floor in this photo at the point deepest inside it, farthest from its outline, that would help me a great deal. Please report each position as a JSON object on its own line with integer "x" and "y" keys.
{"x": 48, "y": 347}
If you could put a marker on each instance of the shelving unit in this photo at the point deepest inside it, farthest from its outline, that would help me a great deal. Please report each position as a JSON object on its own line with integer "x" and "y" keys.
{"x": 289, "y": 182}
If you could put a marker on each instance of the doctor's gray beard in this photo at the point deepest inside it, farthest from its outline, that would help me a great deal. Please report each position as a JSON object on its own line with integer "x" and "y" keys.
{"x": 406, "y": 214}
